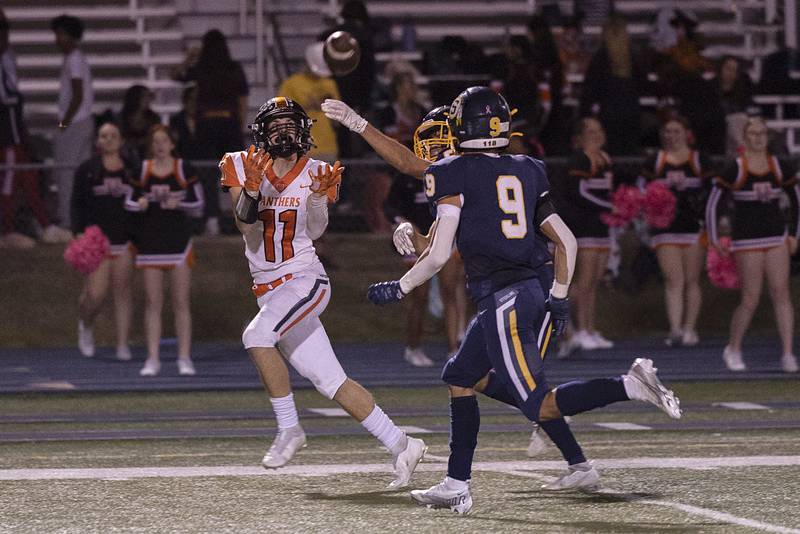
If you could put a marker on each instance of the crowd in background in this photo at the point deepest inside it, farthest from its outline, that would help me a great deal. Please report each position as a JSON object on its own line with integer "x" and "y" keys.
{"x": 572, "y": 95}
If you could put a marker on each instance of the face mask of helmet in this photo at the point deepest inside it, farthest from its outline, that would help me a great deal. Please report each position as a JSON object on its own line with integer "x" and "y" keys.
{"x": 282, "y": 138}
{"x": 432, "y": 140}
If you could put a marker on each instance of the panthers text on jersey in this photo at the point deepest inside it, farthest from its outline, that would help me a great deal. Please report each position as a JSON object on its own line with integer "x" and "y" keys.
{"x": 285, "y": 247}
{"x": 497, "y": 236}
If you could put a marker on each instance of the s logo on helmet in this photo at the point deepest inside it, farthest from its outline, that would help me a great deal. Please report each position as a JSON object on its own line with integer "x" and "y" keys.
{"x": 456, "y": 108}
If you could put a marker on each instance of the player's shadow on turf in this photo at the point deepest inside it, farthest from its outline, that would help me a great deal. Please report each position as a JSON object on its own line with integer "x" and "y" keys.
{"x": 385, "y": 497}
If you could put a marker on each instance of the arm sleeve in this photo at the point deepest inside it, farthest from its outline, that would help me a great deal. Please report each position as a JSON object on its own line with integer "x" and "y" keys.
{"x": 439, "y": 250}
{"x": 80, "y": 197}
{"x": 317, "y": 217}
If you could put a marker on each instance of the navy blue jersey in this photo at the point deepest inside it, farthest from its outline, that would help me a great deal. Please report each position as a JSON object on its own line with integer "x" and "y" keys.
{"x": 497, "y": 232}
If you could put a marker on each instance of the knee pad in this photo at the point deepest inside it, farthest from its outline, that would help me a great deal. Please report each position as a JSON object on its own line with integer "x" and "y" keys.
{"x": 253, "y": 336}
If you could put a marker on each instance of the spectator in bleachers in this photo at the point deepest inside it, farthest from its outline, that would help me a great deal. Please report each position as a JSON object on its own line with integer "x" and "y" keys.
{"x": 222, "y": 92}
{"x": 549, "y": 71}
{"x": 12, "y": 150}
{"x": 593, "y": 12}
{"x": 168, "y": 195}
{"x": 73, "y": 141}
{"x": 516, "y": 79}
{"x": 184, "y": 123}
{"x": 612, "y": 89}
{"x": 736, "y": 98}
{"x": 574, "y": 50}
{"x": 309, "y": 88}
{"x": 761, "y": 239}
{"x": 98, "y": 198}
{"x": 136, "y": 119}
{"x": 776, "y": 78}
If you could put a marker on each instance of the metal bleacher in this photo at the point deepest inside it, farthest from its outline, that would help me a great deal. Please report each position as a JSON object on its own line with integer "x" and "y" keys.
{"x": 140, "y": 41}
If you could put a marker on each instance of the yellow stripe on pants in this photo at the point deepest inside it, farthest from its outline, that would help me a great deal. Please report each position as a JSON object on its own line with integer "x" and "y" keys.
{"x": 526, "y": 373}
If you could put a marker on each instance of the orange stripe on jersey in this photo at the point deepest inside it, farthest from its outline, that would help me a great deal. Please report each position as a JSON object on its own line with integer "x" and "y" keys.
{"x": 230, "y": 177}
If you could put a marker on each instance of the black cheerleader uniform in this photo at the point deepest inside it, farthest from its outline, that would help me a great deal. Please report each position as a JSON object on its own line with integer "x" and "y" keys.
{"x": 758, "y": 220}
{"x": 98, "y": 198}
{"x": 164, "y": 234}
{"x": 583, "y": 196}
{"x": 690, "y": 182}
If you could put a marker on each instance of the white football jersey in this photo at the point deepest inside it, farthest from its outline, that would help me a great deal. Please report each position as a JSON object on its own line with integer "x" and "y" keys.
{"x": 283, "y": 246}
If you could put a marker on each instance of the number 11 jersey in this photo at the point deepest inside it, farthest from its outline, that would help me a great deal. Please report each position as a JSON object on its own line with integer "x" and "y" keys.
{"x": 497, "y": 234}
{"x": 284, "y": 246}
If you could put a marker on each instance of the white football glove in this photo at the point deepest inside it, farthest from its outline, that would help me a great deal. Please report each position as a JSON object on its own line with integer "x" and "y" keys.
{"x": 341, "y": 112}
{"x": 402, "y": 239}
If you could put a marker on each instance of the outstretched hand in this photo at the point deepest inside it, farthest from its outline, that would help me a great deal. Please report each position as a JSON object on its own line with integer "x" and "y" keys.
{"x": 340, "y": 112}
{"x": 327, "y": 180}
{"x": 256, "y": 165}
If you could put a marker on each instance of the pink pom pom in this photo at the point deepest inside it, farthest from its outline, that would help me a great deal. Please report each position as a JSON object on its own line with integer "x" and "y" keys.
{"x": 87, "y": 253}
{"x": 659, "y": 205}
{"x": 721, "y": 269}
{"x": 627, "y": 202}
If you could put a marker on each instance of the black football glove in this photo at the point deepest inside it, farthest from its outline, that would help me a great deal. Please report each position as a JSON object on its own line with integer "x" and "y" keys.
{"x": 559, "y": 314}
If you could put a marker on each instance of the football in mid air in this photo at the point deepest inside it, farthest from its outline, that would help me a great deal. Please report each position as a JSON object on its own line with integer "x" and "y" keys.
{"x": 341, "y": 53}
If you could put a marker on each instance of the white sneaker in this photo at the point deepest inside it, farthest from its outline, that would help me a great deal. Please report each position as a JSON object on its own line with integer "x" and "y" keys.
{"x": 17, "y": 241}
{"x": 286, "y": 444}
{"x": 690, "y": 338}
{"x": 417, "y": 358}
{"x": 642, "y": 384}
{"x": 600, "y": 341}
{"x": 406, "y": 462}
{"x": 151, "y": 368}
{"x": 733, "y": 360}
{"x": 585, "y": 341}
{"x": 85, "y": 339}
{"x": 55, "y": 234}
{"x": 444, "y": 495}
{"x": 124, "y": 353}
{"x": 581, "y": 476}
{"x": 186, "y": 367}
{"x": 789, "y": 363}
{"x": 537, "y": 445}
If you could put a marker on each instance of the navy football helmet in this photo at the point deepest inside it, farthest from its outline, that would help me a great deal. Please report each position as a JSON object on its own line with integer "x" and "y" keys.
{"x": 287, "y": 137}
{"x": 432, "y": 140}
{"x": 479, "y": 119}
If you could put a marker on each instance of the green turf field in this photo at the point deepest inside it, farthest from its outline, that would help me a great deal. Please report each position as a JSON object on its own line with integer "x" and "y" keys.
{"x": 713, "y": 471}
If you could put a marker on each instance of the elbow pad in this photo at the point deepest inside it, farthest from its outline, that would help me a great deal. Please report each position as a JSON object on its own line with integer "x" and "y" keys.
{"x": 247, "y": 208}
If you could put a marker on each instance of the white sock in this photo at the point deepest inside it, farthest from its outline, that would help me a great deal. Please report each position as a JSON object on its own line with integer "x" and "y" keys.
{"x": 285, "y": 411}
{"x": 379, "y": 425}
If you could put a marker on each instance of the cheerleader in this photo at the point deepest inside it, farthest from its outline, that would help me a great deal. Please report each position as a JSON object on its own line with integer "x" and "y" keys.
{"x": 680, "y": 255}
{"x": 584, "y": 196}
{"x": 167, "y": 194}
{"x": 761, "y": 242}
{"x": 98, "y": 198}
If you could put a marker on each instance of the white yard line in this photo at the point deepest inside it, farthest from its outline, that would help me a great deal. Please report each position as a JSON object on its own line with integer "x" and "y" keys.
{"x": 329, "y": 412}
{"x": 623, "y": 426}
{"x": 687, "y": 508}
{"x": 741, "y": 405}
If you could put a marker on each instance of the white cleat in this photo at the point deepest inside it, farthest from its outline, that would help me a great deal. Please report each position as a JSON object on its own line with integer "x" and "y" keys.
{"x": 285, "y": 446}
{"x": 85, "y": 339}
{"x": 417, "y": 358}
{"x": 642, "y": 384}
{"x": 406, "y": 462}
{"x": 445, "y": 495}
{"x": 537, "y": 445}
{"x": 186, "y": 367}
{"x": 789, "y": 363}
{"x": 581, "y": 476}
{"x": 733, "y": 360}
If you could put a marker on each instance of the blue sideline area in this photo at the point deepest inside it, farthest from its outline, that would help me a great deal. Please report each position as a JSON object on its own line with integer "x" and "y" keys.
{"x": 227, "y": 367}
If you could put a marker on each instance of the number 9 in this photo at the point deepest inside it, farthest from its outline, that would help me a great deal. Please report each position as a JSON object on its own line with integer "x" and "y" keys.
{"x": 430, "y": 185}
